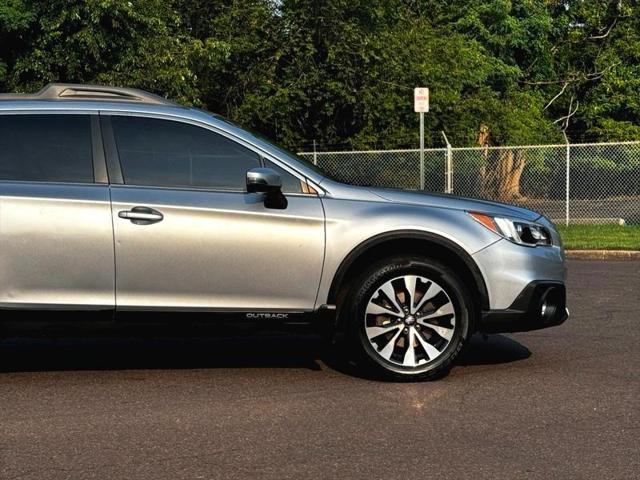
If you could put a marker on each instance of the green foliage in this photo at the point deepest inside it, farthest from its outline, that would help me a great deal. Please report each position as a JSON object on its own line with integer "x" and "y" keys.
{"x": 600, "y": 237}
{"x": 116, "y": 42}
{"x": 341, "y": 72}
{"x": 598, "y": 59}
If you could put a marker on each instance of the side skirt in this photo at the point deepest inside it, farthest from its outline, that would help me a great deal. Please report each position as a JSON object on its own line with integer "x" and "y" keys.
{"x": 42, "y": 322}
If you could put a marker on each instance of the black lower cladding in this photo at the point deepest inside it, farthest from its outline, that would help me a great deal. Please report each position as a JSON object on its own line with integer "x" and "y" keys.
{"x": 541, "y": 304}
{"x": 49, "y": 322}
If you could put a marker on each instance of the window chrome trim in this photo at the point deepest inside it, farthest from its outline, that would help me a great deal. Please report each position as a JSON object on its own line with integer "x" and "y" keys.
{"x": 203, "y": 190}
{"x": 57, "y": 111}
{"x": 49, "y": 182}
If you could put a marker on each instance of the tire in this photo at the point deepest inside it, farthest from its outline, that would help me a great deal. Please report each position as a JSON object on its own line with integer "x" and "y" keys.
{"x": 436, "y": 319}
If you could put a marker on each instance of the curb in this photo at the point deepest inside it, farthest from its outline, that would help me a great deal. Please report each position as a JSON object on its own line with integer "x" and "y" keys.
{"x": 603, "y": 254}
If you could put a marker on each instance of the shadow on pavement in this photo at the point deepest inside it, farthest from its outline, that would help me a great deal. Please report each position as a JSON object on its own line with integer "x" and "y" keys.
{"x": 492, "y": 350}
{"x": 495, "y": 349}
{"x": 238, "y": 351}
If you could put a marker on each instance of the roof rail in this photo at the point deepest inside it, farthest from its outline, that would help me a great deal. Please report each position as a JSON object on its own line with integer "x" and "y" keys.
{"x": 70, "y": 91}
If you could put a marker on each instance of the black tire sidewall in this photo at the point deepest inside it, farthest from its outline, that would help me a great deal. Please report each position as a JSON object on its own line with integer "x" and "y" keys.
{"x": 384, "y": 271}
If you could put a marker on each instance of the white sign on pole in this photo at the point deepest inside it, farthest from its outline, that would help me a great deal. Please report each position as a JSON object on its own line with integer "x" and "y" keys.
{"x": 421, "y": 100}
{"x": 421, "y": 105}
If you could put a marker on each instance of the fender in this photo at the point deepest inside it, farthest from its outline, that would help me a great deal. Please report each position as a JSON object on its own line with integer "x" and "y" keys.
{"x": 445, "y": 243}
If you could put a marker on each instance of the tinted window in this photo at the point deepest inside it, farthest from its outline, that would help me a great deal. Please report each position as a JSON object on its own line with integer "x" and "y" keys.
{"x": 290, "y": 156}
{"x": 46, "y": 148}
{"x": 173, "y": 154}
{"x": 290, "y": 184}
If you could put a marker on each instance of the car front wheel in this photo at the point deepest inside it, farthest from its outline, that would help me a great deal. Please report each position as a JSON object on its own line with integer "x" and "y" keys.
{"x": 409, "y": 317}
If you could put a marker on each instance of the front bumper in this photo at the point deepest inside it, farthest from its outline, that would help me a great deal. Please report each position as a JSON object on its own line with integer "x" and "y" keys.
{"x": 508, "y": 268}
{"x": 541, "y": 304}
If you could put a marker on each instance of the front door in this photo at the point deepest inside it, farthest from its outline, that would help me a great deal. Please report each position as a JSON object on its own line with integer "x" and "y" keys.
{"x": 189, "y": 237}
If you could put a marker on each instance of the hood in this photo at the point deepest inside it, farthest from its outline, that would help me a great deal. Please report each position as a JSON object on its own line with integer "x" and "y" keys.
{"x": 453, "y": 202}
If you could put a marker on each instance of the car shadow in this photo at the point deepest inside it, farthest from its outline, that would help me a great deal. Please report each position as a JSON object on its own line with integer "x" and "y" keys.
{"x": 147, "y": 353}
{"x": 207, "y": 351}
{"x": 492, "y": 350}
{"x": 481, "y": 350}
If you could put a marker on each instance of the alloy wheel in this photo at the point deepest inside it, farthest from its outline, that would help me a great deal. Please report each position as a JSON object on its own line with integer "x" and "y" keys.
{"x": 410, "y": 321}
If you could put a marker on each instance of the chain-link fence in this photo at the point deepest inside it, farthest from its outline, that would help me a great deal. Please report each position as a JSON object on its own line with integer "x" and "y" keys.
{"x": 580, "y": 183}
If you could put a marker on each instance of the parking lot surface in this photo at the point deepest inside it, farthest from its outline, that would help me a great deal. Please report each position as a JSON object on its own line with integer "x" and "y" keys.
{"x": 556, "y": 403}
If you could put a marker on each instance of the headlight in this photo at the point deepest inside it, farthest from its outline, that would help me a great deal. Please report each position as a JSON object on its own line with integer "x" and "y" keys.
{"x": 518, "y": 231}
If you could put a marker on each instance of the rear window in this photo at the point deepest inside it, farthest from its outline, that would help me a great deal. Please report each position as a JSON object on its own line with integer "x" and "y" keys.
{"x": 46, "y": 148}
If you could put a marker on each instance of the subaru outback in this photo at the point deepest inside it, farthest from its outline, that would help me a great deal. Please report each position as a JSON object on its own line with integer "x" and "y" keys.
{"x": 115, "y": 202}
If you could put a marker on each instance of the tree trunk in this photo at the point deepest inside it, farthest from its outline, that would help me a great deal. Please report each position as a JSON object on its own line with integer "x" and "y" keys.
{"x": 508, "y": 172}
{"x": 502, "y": 170}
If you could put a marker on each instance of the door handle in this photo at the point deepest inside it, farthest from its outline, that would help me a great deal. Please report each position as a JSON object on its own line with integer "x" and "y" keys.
{"x": 141, "y": 215}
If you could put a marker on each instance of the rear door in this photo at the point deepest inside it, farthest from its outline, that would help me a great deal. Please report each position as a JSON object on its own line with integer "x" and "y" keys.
{"x": 189, "y": 236}
{"x": 56, "y": 236}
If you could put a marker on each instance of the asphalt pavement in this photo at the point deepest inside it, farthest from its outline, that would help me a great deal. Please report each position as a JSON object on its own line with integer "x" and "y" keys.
{"x": 558, "y": 403}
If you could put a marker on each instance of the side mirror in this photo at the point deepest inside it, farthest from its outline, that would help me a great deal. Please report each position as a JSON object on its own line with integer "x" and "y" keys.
{"x": 263, "y": 180}
{"x": 267, "y": 180}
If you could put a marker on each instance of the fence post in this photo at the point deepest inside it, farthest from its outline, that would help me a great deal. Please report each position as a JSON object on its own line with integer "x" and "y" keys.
{"x": 568, "y": 163}
{"x": 448, "y": 167}
{"x": 315, "y": 154}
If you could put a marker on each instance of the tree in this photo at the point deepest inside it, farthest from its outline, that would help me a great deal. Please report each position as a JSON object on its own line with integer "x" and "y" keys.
{"x": 251, "y": 33}
{"x": 594, "y": 86}
{"x": 342, "y": 72}
{"x": 108, "y": 41}
{"x": 15, "y": 19}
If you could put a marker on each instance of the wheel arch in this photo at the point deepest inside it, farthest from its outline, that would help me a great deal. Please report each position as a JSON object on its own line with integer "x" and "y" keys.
{"x": 409, "y": 241}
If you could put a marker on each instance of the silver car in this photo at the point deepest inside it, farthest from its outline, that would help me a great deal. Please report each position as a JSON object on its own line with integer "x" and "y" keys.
{"x": 116, "y": 202}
